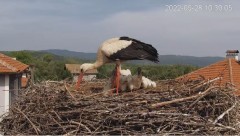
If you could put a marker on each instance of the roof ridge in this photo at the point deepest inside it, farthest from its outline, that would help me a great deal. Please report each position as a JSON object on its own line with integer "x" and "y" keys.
{"x": 202, "y": 68}
{"x": 230, "y": 70}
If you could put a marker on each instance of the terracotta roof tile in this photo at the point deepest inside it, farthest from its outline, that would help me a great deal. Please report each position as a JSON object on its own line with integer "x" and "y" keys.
{"x": 228, "y": 70}
{"x": 10, "y": 65}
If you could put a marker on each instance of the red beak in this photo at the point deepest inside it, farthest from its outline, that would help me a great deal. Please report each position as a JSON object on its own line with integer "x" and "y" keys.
{"x": 80, "y": 77}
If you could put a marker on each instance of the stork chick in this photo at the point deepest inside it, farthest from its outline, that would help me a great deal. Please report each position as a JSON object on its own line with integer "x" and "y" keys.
{"x": 124, "y": 73}
{"x": 131, "y": 82}
{"x": 146, "y": 83}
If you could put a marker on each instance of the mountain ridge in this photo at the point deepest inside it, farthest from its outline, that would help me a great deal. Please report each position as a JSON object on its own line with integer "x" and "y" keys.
{"x": 164, "y": 59}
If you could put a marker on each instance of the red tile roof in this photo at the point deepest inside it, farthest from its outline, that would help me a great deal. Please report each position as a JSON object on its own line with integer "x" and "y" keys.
{"x": 228, "y": 70}
{"x": 10, "y": 65}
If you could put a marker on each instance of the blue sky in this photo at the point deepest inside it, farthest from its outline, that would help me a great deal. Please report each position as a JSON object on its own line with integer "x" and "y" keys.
{"x": 82, "y": 25}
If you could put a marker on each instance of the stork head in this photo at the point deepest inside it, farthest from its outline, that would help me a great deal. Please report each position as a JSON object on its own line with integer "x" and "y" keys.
{"x": 86, "y": 66}
{"x": 83, "y": 68}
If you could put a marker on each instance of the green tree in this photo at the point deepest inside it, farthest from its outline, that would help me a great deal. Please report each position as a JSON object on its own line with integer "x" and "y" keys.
{"x": 23, "y": 56}
{"x": 47, "y": 58}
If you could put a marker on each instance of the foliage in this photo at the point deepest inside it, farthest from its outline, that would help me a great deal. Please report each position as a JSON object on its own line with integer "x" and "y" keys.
{"x": 46, "y": 66}
{"x": 23, "y": 56}
{"x": 155, "y": 72}
{"x": 51, "y": 67}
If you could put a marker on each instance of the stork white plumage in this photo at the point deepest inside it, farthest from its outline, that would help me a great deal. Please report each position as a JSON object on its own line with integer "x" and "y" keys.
{"x": 119, "y": 50}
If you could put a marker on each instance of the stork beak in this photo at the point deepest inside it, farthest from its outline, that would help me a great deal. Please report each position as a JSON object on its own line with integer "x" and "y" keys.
{"x": 80, "y": 77}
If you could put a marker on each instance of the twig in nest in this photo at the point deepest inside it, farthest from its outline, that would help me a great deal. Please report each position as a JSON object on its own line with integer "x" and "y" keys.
{"x": 183, "y": 99}
{"x": 69, "y": 91}
{"x": 34, "y": 127}
{"x": 199, "y": 98}
{"x": 224, "y": 113}
{"x": 70, "y": 133}
{"x": 80, "y": 124}
{"x": 226, "y": 127}
{"x": 57, "y": 122}
{"x": 101, "y": 93}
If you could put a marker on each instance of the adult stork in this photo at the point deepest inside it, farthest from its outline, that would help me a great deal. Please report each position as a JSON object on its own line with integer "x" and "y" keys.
{"x": 119, "y": 50}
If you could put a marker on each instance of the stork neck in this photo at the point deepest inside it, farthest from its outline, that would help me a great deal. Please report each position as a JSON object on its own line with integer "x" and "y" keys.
{"x": 97, "y": 64}
{"x": 120, "y": 67}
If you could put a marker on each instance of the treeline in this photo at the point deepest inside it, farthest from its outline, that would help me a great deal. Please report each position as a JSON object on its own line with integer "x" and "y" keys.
{"x": 51, "y": 67}
{"x": 155, "y": 72}
{"x": 46, "y": 66}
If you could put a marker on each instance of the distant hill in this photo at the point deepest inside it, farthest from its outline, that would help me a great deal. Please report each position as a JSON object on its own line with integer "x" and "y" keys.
{"x": 188, "y": 60}
{"x": 164, "y": 59}
{"x": 72, "y": 54}
{"x": 36, "y": 54}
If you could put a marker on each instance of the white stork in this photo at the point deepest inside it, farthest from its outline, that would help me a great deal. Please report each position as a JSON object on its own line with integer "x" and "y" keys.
{"x": 118, "y": 50}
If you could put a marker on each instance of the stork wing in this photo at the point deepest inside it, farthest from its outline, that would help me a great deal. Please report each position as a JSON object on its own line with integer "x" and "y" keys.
{"x": 113, "y": 45}
{"x": 130, "y": 49}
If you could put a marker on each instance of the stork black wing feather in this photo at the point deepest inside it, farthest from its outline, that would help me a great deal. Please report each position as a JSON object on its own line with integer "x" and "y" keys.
{"x": 136, "y": 51}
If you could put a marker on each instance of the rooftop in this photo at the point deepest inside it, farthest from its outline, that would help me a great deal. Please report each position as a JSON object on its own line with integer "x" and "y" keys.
{"x": 10, "y": 65}
{"x": 227, "y": 71}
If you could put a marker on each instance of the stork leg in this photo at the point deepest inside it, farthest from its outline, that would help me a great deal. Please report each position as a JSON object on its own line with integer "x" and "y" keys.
{"x": 117, "y": 76}
{"x": 80, "y": 77}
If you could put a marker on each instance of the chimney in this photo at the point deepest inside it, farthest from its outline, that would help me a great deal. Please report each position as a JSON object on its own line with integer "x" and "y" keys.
{"x": 232, "y": 54}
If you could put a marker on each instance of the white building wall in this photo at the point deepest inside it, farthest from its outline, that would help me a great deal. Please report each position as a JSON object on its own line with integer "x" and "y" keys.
{"x": 89, "y": 77}
{"x": 4, "y": 94}
{"x": 75, "y": 78}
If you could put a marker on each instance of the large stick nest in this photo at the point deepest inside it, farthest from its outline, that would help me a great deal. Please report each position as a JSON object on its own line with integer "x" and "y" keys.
{"x": 172, "y": 108}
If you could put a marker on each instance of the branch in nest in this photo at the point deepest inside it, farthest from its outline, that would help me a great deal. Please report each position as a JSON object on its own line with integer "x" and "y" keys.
{"x": 183, "y": 99}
